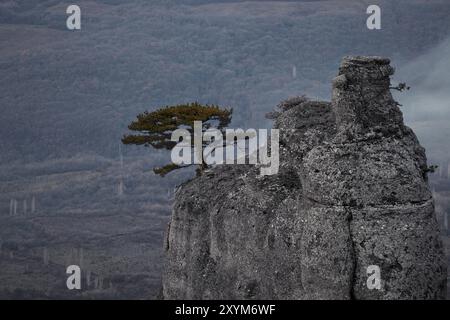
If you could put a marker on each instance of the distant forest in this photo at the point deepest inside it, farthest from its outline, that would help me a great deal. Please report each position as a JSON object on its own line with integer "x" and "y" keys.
{"x": 71, "y": 193}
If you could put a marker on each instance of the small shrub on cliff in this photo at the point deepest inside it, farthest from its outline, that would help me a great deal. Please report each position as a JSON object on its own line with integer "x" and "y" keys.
{"x": 401, "y": 87}
{"x": 286, "y": 105}
{"x": 431, "y": 169}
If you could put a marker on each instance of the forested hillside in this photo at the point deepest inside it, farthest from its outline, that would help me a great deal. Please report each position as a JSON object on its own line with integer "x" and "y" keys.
{"x": 65, "y": 92}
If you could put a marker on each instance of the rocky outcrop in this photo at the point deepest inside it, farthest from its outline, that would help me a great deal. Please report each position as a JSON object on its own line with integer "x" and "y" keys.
{"x": 351, "y": 193}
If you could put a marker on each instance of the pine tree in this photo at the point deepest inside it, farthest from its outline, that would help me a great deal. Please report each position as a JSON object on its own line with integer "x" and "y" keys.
{"x": 156, "y": 127}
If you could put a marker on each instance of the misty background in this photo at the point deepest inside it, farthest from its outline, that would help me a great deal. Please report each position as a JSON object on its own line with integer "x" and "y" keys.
{"x": 71, "y": 194}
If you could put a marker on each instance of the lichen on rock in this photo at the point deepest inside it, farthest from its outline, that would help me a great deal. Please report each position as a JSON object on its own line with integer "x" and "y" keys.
{"x": 351, "y": 192}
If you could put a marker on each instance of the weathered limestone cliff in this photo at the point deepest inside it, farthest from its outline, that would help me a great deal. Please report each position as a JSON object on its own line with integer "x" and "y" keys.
{"x": 351, "y": 193}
